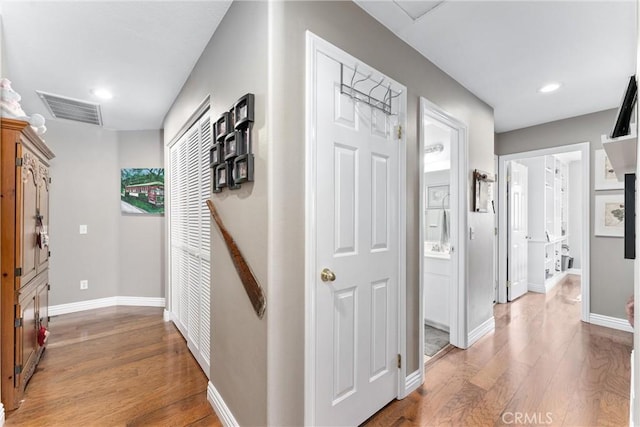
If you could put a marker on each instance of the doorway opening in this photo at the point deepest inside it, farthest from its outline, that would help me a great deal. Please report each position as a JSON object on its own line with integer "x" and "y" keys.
{"x": 544, "y": 221}
{"x": 442, "y": 224}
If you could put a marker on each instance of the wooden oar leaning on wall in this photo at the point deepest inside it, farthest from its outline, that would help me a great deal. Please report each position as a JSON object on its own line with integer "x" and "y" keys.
{"x": 251, "y": 285}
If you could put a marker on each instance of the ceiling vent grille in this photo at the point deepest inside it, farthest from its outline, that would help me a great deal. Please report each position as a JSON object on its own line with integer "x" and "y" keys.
{"x": 62, "y": 107}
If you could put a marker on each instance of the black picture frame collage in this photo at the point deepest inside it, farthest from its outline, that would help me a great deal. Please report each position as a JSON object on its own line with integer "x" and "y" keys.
{"x": 231, "y": 157}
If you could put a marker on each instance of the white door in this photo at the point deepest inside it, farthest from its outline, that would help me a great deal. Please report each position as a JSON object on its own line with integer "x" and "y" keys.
{"x": 357, "y": 228}
{"x": 518, "y": 231}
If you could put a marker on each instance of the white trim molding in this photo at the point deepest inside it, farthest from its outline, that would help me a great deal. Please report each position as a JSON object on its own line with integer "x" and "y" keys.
{"x": 167, "y": 316}
{"x": 56, "y": 310}
{"x": 548, "y": 284}
{"x": 585, "y": 255}
{"x": 577, "y": 271}
{"x": 487, "y": 326}
{"x": 610, "y": 322}
{"x": 1, "y": 414}
{"x": 413, "y": 381}
{"x": 220, "y": 407}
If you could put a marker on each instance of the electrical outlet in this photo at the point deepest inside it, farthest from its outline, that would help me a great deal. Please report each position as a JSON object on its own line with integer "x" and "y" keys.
{"x": 83, "y": 229}
{"x": 84, "y": 284}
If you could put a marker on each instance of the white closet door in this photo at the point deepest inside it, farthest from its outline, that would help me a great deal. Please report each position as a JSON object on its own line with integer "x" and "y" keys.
{"x": 189, "y": 223}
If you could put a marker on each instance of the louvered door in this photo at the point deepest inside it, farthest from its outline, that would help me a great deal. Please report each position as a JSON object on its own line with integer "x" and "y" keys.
{"x": 189, "y": 223}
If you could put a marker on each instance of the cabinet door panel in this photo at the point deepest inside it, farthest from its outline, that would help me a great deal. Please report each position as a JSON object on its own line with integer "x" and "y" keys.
{"x": 43, "y": 305}
{"x": 43, "y": 210}
{"x": 29, "y": 216}
{"x": 27, "y": 334}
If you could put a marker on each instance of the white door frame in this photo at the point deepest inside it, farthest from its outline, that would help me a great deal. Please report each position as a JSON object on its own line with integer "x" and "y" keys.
{"x": 459, "y": 179}
{"x": 317, "y": 46}
{"x": 583, "y": 147}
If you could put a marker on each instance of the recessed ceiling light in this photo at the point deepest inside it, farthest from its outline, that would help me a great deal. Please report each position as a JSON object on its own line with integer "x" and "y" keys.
{"x": 550, "y": 87}
{"x": 102, "y": 93}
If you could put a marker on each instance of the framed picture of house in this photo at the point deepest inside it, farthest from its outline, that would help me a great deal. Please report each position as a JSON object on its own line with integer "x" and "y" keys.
{"x": 142, "y": 191}
{"x": 604, "y": 175}
{"x": 609, "y": 218}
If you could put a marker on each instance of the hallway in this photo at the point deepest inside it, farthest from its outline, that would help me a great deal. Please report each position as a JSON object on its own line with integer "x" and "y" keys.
{"x": 542, "y": 362}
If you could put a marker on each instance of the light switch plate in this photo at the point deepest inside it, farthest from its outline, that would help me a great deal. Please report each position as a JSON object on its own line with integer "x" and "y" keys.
{"x": 83, "y": 229}
{"x": 84, "y": 284}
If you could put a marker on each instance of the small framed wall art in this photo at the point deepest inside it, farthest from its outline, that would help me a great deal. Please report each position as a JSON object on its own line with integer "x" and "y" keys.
{"x": 482, "y": 191}
{"x": 604, "y": 175}
{"x": 609, "y": 221}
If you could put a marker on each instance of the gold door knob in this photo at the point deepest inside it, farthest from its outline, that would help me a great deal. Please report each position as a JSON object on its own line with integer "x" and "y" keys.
{"x": 327, "y": 275}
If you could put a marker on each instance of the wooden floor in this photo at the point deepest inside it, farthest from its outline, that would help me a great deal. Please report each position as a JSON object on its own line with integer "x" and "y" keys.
{"x": 541, "y": 362}
{"x": 113, "y": 367}
{"x": 125, "y": 366}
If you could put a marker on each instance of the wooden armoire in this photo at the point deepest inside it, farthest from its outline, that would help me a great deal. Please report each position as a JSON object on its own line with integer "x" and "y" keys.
{"x": 24, "y": 244}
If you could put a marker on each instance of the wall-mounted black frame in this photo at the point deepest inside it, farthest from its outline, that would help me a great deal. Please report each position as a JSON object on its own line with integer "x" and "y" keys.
{"x": 243, "y": 168}
{"x": 223, "y": 126}
{"x": 630, "y": 216}
{"x": 482, "y": 190}
{"x": 243, "y": 111}
{"x": 231, "y": 158}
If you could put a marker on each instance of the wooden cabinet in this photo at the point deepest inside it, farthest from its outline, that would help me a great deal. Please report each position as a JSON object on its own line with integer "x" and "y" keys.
{"x": 24, "y": 244}
{"x": 548, "y": 217}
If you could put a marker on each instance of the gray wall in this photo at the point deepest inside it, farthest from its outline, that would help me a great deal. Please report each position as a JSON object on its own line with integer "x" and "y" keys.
{"x": 575, "y": 209}
{"x": 611, "y": 274}
{"x": 85, "y": 190}
{"x": 234, "y": 63}
{"x": 141, "y": 237}
{"x": 347, "y": 26}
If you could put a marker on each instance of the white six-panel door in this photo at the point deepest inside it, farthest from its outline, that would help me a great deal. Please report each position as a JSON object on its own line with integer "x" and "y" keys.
{"x": 518, "y": 231}
{"x": 356, "y": 211}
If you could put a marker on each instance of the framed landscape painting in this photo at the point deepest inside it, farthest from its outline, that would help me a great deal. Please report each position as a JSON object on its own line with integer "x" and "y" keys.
{"x": 142, "y": 191}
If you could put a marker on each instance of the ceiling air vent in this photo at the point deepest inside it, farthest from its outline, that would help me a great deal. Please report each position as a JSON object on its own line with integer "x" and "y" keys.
{"x": 62, "y": 107}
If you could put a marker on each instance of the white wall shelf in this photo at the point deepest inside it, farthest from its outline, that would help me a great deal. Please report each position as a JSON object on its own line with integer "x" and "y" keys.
{"x": 622, "y": 153}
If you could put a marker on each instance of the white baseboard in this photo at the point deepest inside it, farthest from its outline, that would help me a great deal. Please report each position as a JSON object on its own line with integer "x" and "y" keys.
{"x": 56, "y": 310}
{"x": 487, "y": 326}
{"x": 436, "y": 325}
{"x": 167, "y": 316}
{"x": 548, "y": 284}
{"x": 220, "y": 407}
{"x": 610, "y": 322}
{"x": 577, "y": 271}
{"x": 1, "y": 414}
{"x": 412, "y": 382}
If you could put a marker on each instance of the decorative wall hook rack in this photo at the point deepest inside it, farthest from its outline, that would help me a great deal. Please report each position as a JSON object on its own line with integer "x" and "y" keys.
{"x": 369, "y": 98}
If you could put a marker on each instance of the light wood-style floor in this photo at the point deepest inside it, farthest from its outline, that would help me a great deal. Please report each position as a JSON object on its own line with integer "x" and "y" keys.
{"x": 541, "y": 361}
{"x": 125, "y": 366}
{"x": 113, "y": 367}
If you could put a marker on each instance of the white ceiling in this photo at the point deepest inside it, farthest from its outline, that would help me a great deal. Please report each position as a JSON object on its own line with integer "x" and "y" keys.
{"x": 504, "y": 51}
{"x": 501, "y": 51}
{"x": 142, "y": 51}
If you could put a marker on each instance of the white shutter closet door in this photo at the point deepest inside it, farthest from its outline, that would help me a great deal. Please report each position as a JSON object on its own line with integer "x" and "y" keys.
{"x": 189, "y": 224}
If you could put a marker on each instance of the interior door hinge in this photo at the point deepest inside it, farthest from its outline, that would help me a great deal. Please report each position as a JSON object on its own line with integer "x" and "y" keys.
{"x": 17, "y": 370}
{"x": 508, "y": 178}
{"x": 18, "y": 161}
{"x": 49, "y": 180}
{"x": 508, "y": 283}
{"x": 18, "y": 271}
{"x": 399, "y": 361}
{"x": 399, "y": 131}
{"x": 17, "y": 322}
{"x": 48, "y": 287}
{"x": 495, "y": 231}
